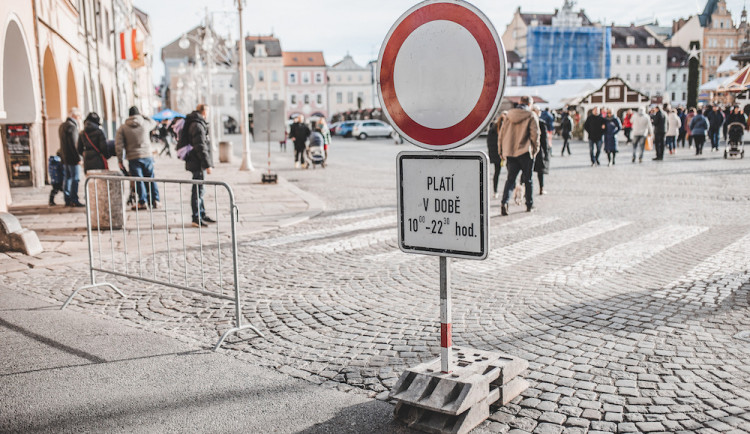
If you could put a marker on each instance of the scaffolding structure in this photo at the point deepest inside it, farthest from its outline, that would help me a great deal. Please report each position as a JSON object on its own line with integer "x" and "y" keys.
{"x": 565, "y": 53}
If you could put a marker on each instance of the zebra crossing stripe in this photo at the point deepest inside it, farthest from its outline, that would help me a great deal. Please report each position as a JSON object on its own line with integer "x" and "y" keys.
{"x": 512, "y": 254}
{"x": 720, "y": 275}
{"x": 621, "y": 257}
{"x": 328, "y": 232}
{"x": 352, "y": 243}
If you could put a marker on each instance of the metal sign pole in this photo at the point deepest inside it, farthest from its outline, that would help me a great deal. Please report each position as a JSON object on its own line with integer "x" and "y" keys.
{"x": 446, "y": 341}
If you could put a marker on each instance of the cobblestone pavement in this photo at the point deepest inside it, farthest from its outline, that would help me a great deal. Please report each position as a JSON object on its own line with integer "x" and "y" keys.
{"x": 627, "y": 291}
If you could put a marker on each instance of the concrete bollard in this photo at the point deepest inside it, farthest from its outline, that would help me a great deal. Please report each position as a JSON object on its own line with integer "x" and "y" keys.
{"x": 225, "y": 152}
{"x": 103, "y": 203}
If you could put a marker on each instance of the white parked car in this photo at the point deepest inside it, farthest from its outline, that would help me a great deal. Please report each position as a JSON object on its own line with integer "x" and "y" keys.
{"x": 371, "y": 128}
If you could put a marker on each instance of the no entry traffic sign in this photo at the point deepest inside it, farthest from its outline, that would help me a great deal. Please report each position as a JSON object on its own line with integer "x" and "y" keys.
{"x": 441, "y": 73}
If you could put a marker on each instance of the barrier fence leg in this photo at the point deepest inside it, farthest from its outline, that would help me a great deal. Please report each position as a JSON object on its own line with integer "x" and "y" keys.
{"x": 235, "y": 263}
{"x": 91, "y": 247}
{"x": 446, "y": 341}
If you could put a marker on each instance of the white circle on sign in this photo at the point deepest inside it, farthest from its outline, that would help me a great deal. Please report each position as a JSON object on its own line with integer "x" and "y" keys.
{"x": 444, "y": 87}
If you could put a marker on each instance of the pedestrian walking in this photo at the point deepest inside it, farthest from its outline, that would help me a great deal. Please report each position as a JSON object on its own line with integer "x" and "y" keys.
{"x": 133, "y": 138}
{"x": 519, "y": 143}
{"x": 682, "y": 132}
{"x": 56, "y": 176}
{"x": 594, "y": 127}
{"x": 688, "y": 132}
{"x": 659, "y": 120}
{"x": 699, "y": 127}
{"x": 612, "y": 127}
{"x": 326, "y": 133}
{"x": 493, "y": 135}
{"x": 199, "y": 161}
{"x": 68, "y": 133}
{"x": 541, "y": 160}
{"x": 92, "y": 144}
{"x": 715, "y": 120}
{"x": 164, "y": 138}
{"x": 673, "y": 129}
{"x": 299, "y": 132}
{"x": 627, "y": 125}
{"x": 566, "y": 131}
{"x": 642, "y": 129}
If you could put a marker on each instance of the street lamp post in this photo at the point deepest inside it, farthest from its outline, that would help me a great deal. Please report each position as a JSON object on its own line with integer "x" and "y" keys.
{"x": 246, "y": 162}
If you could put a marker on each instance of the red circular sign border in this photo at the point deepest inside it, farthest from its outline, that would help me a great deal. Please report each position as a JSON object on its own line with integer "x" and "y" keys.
{"x": 455, "y": 135}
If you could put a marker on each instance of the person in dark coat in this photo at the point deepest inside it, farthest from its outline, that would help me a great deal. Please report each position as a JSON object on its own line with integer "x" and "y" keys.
{"x": 299, "y": 132}
{"x": 68, "y": 133}
{"x": 659, "y": 122}
{"x": 594, "y": 127}
{"x": 492, "y": 138}
{"x": 715, "y": 120}
{"x": 541, "y": 161}
{"x": 613, "y": 126}
{"x": 566, "y": 130}
{"x": 92, "y": 144}
{"x": 199, "y": 160}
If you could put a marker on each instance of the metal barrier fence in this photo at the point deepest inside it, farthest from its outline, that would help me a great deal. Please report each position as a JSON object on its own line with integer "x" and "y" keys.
{"x": 162, "y": 250}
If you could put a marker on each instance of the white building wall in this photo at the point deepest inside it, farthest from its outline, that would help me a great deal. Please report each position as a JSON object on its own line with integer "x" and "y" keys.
{"x": 645, "y": 69}
{"x": 345, "y": 87}
{"x": 676, "y": 90}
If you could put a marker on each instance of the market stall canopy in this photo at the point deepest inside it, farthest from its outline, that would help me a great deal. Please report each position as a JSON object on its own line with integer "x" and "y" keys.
{"x": 713, "y": 85}
{"x": 167, "y": 114}
{"x": 738, "y": 82}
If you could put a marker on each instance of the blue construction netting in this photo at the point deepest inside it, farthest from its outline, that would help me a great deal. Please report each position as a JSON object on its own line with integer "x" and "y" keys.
{"x": 560, "y": 53}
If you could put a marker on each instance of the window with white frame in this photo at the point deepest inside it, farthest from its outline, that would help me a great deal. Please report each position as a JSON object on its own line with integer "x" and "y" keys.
{"x": 658, "y": 60}
{"x": 648, "y": 60}
{"x": 292, "y": 78}
{"x": 638, "y": 59}
{"x": 684, "y": 78}
{"x": 673, "y": 96}
{"x": 648, "y": 78}
{"x": 613, "y": 92}
{"x": 339, "y": 97}
{"x": 274, "y": 75}
{"x": 617, "y": 59}
{"x": 630, "y": 40}
{"x": 305, "y": 78}
{"x": 319, "y": 99}
{"x": 638, "y": 78}
{"x": 684, "y": 96}
{"x": 658, "y": 78}
{"x": 261, "y": 76}
{"x": 318, "y": 77}
{"x": 350, "y": 97}
{"x": 307, "y": 99}
{"x": 674, "y": 78}
{"x": 293, "y": 99}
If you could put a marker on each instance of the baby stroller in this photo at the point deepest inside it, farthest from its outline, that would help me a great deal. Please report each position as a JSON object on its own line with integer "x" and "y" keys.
{"x": 735, "y": 146}
{"x": 315, "y": 152}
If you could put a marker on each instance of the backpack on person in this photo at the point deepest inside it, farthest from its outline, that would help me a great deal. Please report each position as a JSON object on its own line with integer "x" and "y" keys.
{"x": 183, "y": 146}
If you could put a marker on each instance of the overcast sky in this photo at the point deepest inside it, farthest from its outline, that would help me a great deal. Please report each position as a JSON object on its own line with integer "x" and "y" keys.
{"x": 358, "y": 27}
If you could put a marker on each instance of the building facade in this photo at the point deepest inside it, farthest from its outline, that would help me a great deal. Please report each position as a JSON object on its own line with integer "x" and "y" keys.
{"x": 58, "y": 55}
{"x": 721, "y": 37}
{"x": 640, "y": 59}
{"x": 265, "y": 65}
{"x": 677, "y": 76}
{"x": 306, "y": 84}
{"x": 349, "y": 86}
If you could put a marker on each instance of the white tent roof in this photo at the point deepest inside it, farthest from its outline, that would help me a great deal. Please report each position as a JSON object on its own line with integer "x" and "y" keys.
{"x": 728, "y": 66}
{"x": 560, "y": 94}
{"x": 714, "y": 84}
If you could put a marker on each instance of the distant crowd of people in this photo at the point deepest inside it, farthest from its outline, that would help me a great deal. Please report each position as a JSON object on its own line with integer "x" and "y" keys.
{"x": 519, "y": 138}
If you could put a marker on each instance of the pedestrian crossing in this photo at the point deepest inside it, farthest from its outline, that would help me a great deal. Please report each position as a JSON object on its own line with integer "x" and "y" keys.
{"x": 620, "y": 258}
{"x": 724, "y": 271}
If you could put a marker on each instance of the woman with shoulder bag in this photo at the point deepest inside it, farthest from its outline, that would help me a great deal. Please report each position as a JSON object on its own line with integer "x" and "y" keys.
{"x": 92, "y": 144}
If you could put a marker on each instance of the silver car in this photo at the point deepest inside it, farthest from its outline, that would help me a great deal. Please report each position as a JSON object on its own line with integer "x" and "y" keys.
{"x": 371, "y": 128}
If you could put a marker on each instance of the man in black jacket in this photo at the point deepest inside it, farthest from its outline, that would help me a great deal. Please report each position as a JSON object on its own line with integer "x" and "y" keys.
{"x": 299, "y": 132}
{"x": 715, "y": 122}
{"x": 594, "y": 127}
{"x": 660, "y": 130}
{"x": 199, "y": 160}
{"x": 68, "y": 132}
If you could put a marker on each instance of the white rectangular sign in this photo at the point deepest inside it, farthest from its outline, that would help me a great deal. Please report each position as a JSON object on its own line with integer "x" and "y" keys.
{"x": 443, "y": 204}
{"x": 269, "y": 121}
